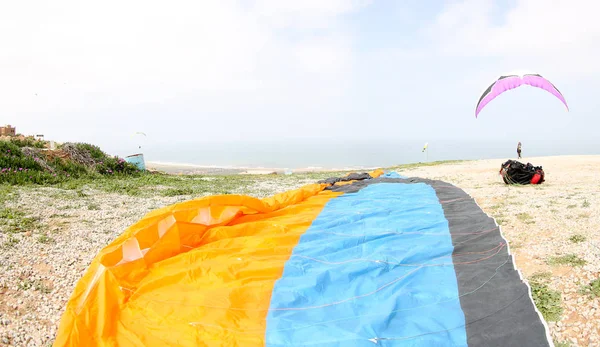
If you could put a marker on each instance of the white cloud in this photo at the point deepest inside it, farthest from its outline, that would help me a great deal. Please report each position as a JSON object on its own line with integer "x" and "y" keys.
{"x": 557, "y": 36}
{"x": 68, "y": 64}
{"x": 306, "y": 13}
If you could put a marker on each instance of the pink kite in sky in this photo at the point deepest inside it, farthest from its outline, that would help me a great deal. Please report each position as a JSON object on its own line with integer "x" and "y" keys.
{"x": 512, "y": 81}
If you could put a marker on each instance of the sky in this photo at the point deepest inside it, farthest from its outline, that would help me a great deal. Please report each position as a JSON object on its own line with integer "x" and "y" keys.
{"x": 201, "y": 74}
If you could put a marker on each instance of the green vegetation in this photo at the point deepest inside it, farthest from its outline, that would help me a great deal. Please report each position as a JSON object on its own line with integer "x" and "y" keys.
{"x": 44, "y": 238}
{"x": 14, "y": 221}
{"x": 548, "y": 301}
{"x": 418, "y": 165}
{"x": 515, "y": 245}
{"x": 540, "y": 276}
{"x": 525, "y": 218}
{"x": 27, "y": 142}
{"x": 592, "y": 289}
{"x": 577, "y": 238}
{"x": 37, "y": 285}
{"x": 25, "y": 162}
{"x": 568, "y": 259}
{"x": 81, "y": 167}
{"x": 11, "y": 242}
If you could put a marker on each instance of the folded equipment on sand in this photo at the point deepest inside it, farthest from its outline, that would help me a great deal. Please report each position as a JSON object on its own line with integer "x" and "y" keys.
{"x": 514, "y": 172}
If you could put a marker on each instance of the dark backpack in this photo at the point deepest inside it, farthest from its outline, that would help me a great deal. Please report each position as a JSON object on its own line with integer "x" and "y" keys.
{"x": 514, "y": 172}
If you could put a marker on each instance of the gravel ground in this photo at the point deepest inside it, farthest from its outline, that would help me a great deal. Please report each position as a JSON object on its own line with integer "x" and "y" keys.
{"x": 538, "y": 221}
{"x": 39, "y": 267}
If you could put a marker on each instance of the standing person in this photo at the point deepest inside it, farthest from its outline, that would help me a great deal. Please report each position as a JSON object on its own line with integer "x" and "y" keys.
{"x": 519, "y": 149}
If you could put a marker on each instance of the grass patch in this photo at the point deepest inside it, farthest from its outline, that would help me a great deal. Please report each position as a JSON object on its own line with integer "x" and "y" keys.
{"x": 568, "y": 259}
{"x": 418, "y": 165}
{"x": 90, "y": 168}
{"x": 562, "y": 344}
{"x": 178, "y": 191}
{"x": 7, "y": 193}
{"x": 24, "y": 163}
{"x": 591, "y": 289}
{"x": 515, "y": 245}
{"x": 37, "y": 285}
{"x": 11, "y": 242}
{"x": 585, "y": 204}
{"x": 44, "y": 238}
{"x": 525, "y": 218}
{"x": 62, "y": 195}
{"x": 547, "y": 300}
{"x": 147, "y": 184}
{"x": 94, "y": 207}
{"x": 15, "y": 221}
{"x": 500, "y": 219}
{"x": 541, "y": 276}
{"x": 571, "y": 206}
{"x": 577, "y": 238}
{"x": 61, "y": 215}
{"x": 496, "y": 207}
{"x": 67, "y": 207}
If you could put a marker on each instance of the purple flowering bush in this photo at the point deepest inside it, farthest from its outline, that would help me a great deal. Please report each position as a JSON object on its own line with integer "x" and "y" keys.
{"x": 115, "y": 165}
{"x": 25, "y": 166}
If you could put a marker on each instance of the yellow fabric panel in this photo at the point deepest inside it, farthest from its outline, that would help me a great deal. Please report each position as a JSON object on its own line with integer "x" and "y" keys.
{"x": 196, "y": 273}
{"x": 376, "y": 173}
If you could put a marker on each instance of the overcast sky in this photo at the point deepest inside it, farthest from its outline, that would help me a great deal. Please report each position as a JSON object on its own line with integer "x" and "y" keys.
{"x": 274, "y": 70}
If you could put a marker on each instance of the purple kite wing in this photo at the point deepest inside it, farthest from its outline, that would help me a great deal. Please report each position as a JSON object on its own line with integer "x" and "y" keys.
{"x": 505, "y": 83}
{"x": 540, "y": 82}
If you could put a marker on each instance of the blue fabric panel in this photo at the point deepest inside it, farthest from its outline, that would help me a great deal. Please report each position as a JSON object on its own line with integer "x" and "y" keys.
{"x": 374, "y": 267}
{"x": 393, "y": 174}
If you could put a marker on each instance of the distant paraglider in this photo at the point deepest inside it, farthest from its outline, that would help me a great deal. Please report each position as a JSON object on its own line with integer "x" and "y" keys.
{"x": 138, "y": 158}
{"x": 139, "y": 133}
{"x": 512, "y": 81}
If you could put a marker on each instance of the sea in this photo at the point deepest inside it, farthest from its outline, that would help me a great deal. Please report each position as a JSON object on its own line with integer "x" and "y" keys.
{"x": 296, "y": 155}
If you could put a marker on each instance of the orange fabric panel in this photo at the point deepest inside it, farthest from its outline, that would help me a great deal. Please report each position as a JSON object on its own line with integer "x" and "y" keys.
{"x": 376, "y": 173}
{"x": 191, "y": 274}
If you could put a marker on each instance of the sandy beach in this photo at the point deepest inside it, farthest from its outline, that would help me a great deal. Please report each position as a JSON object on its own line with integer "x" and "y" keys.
{"x": 190, "y": 169}
{"x": 558, "y": 218}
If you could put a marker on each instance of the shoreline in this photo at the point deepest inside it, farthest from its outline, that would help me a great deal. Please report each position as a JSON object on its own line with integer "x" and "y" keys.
{"x": 174, "y": 168}
{"x": 194, "y": 169}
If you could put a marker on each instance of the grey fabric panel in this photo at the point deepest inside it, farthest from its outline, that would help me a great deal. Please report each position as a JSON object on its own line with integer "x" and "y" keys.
{"x": 351, "y": 177}
{"x": 496, "y": 303}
